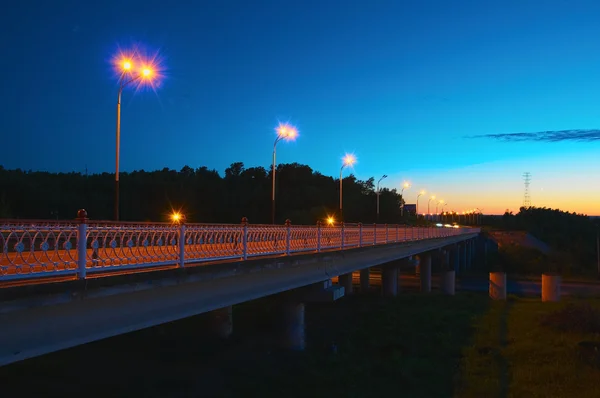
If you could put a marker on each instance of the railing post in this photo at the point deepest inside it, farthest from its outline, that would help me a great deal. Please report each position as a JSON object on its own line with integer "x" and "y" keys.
{"x": 244, "y": 238}
{"x": 387, "y": 233}
{"x": 318, "y": 236}
{"x": 374, "y": 234}
{"x": 82, "y": 244}
{"x": 360, "y": 234}
{"x": 412, "y": 232}
{"x": 288, "y": 234}
{"x": 182, "y": 244}
{"x": 397, "y": 233}
{"x": 342, "y": 236}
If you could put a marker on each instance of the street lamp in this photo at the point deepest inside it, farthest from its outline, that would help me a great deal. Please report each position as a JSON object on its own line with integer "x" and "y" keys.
{"x": 436, "y": 208}
{"x": 430, "y": 199}
{"x": 442, "y": 209}
{"x": 348, "y": 160}
{"x": 406, "y": 185}
{"x": 284, "y": 132}
{"x": 420, "y": 194}
{"x": 378, "y": 193}
{"x": 131, "y": 71}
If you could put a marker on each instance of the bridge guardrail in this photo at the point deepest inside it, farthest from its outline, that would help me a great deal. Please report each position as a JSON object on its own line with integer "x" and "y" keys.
{"x": 38, "y": 250}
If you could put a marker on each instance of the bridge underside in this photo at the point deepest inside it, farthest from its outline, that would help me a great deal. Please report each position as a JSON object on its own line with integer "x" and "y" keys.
{"x": 62, "y": 315}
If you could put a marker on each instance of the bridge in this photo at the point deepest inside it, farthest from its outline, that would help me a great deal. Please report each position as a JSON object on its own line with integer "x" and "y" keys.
{"x": 66, "y": 283}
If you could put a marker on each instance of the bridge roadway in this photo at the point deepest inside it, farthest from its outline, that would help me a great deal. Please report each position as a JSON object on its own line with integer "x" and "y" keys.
{"x": 48, "y": 317}
{"x": 43, "y": 257}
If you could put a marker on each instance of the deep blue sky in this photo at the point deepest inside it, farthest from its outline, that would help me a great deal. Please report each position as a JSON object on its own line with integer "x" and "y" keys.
{"x": 399, "y": 83}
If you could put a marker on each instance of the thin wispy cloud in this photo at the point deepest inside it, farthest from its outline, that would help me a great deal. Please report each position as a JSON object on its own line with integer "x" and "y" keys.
{"x": 546, "y": 136}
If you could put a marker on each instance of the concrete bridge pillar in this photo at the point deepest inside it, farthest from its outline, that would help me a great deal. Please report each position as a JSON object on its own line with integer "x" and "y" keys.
{"x": 469, "y": 247}
{"x": 447, "y": 282}
{"x": 221, "y": 322}
{"x": 455, "y": 259}
{"x": 462, "y": 248}
{"x": 498, "y": 285}
{"x": 345, "y": 281}
{"x": 292, "y": 328}
{"x": 364, "y": 280}
{"x": 425, "y": 274}
{"x": 389, "y": 280}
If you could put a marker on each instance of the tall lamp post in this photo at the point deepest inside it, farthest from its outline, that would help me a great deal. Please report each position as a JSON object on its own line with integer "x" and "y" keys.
{"x": 130, "y": 73}
{"x": 378, "y": 193}
{"x": 284, "y": 132}
{"x": 442, "y": 210}
{"x": 428, "y": 202}
{"x": 436, "y": 208}
{"x": 406, "y": 185}
{"x": 420, "y": 194}
{"x": 348, "y": 160}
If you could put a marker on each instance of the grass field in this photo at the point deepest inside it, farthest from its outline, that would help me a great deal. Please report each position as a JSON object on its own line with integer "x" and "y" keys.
{"x": 415, "y": 345}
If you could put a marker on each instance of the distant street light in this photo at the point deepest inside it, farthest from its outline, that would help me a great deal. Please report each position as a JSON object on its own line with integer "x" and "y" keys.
{"x": 436, "y": 208}
{"x": 406, "y": 185}
{"x": 420, "y": 194}
{"x": 284, "y": 132}
{"x": 430, "y": 199}
{"x": 131, "y": 70}
{"x": 348, "y": 160}
{"x": 378, "y": 193}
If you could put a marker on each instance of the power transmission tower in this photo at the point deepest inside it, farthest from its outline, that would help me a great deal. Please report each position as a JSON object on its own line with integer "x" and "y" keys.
{"x": 527, "y": 197}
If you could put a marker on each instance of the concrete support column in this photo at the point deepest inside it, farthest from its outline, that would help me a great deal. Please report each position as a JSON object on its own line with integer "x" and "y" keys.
{"x": 345, "y": 281}
{"x": 445, "y": 259}
{"x": 447, "y": 281}
{"x": 364, "y": 280}
{"x": 462, "y": 249}
{"x": 484, "y": 251}
{"x": 389, "y": 280}
{"x": 292, "y": 329}
{"x": 455, "y": 260}
{"x": 551, "y": 287}
{"x": 469, "y": 248}
{"x": 425, "y": 275}
{"x": 221, "y": 322}
{"x": 498, "y": 285}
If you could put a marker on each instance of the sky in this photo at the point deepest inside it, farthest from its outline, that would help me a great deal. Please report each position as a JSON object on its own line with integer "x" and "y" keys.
{"x": 433, "y": 92}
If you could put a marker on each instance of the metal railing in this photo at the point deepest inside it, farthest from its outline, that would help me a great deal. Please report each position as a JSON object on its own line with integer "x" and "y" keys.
{"x": 80, "y": 248}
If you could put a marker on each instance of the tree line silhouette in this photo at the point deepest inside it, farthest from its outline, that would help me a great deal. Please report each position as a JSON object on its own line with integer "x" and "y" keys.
{"x": 303, "y": 195}
{"x": 572, "y": 237}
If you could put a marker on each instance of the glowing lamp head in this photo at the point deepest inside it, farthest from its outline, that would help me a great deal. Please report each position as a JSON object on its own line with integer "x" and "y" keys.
{"x": 126, "y": 65}
{"x": 406, "y": 185}
{"x": 176, "y": 217}
{"x": 349, "y": 160}
{"x": 286, "y": 131}
{"x": 330, "y": 220}
{"x": 433, "y": 197}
